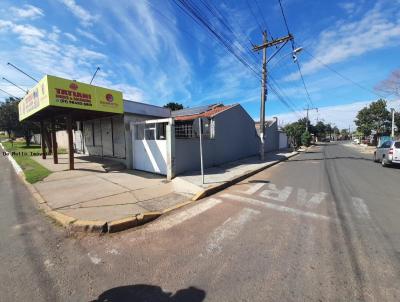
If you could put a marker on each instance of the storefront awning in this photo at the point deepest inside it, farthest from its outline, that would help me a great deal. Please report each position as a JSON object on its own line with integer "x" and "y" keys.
{"x": 55, "y": 97}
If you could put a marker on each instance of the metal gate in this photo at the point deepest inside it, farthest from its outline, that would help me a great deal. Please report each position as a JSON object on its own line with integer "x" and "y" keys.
{"x": 150, "y": 146}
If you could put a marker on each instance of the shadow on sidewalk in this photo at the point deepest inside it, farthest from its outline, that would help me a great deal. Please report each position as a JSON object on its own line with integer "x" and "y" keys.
{"x": 144, "y": 292}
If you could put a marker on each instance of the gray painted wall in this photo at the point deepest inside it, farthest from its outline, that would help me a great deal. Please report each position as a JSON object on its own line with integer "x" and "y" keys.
{"x": 235, "y": 138}
{"x": 271, "y": 139}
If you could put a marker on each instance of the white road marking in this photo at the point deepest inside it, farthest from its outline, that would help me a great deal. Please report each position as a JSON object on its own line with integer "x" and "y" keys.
{"x": 253, "y": 188}
{"x": 229, "y": 230}
{"x": 275, "y": 194}
{"x": 112, "y": 252}
{"x": 175, "y": 219}
{"x": 315, "y": 200}
{"x": 48, "y": 263}
{"x": 360, "y": 207}
{"x": 94, "y": 258}
{"x": 275, "y": 207}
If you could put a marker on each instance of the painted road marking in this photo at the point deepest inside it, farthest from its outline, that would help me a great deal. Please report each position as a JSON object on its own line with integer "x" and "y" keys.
{"x": 309, "y": 200}
{"x": 275, "y": 207}
{"x": 360, "y": 207}
{"x": 175, "y": 219}
{"x": 276, "y": 194}
{"x": 253, "y": 188}
{"x": 94, "y": 258}
{"x": 229, "y": 230}
{"x": 315, "y": 200}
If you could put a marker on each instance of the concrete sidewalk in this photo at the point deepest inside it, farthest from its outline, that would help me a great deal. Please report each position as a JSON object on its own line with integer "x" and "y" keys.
{"x": 227, "y": 174}
{"x": 365, "y": 149}
{"x": 103, "y": 191}
{"x": 101, "y": 196}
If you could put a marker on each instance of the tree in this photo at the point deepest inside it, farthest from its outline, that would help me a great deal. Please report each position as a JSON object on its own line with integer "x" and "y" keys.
{"x": 9, "y": 116}
{"x": 390, "y": 85}
{"x": 173, "y": 106}
{"x": 9, "y": 121}
{"x": 374, "y": 117}
{"x": 397, "y": 121}
{"x": 336, "y": 131}
{"x": 295, "y": 131}
{"x": 320, "y": 129}
{"x": 306, "y": 138}
{"x": 344, "y": 134}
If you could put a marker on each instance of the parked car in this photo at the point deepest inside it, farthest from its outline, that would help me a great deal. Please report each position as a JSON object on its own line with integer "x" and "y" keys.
{"x": 356, "y": 141}
{"x": 388, "y": 153}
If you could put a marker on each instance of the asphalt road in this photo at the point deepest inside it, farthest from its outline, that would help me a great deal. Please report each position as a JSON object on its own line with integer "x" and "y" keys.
{"x": 323, "y": 226}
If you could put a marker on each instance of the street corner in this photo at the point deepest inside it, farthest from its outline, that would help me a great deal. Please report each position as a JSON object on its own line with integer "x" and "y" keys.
{"x": 88, "y": 226}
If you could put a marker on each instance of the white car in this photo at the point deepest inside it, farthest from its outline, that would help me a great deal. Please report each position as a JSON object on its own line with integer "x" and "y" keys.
{"x": 388, "y": 153}
{"x": 356, "y": 141}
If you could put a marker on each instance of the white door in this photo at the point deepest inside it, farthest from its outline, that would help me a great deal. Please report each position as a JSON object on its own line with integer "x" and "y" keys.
{"x": 150, "y": 148}
{"x": 106, "y": 137}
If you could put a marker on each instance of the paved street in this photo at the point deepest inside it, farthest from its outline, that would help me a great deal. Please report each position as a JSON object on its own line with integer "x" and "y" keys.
{"x": 322, "y": 226}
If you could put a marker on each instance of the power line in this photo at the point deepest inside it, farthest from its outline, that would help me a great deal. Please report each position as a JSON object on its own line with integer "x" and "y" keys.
{"x": 254, "y": 15}
{"x": 284, "y": 19}
{"x": 341, "y": 75}
{"x": 296, "y": 59}
{"x": 194, "y": 12}
{"x": 263, "y": 19}
{"x": 304, "y": 84}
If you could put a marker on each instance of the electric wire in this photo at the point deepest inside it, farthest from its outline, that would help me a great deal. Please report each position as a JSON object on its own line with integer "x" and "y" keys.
{"x": 195, "y": 13}
{"x": 341, "y": 75}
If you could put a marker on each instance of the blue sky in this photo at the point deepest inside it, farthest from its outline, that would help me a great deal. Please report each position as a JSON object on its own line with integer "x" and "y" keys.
{"x": 154, "y": 53}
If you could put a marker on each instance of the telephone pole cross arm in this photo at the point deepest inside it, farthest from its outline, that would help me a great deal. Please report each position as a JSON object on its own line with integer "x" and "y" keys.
{"x": 264, "y": 47}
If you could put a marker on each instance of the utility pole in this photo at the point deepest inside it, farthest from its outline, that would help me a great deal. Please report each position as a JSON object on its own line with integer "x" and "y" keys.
{"x": 264, "y": 47}
{"x": 308, "y": 109}
{"x": 392, "y": 109}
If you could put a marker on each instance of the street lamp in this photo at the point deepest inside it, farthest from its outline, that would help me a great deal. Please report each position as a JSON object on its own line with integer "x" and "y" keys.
{"x": 294, "y": 53}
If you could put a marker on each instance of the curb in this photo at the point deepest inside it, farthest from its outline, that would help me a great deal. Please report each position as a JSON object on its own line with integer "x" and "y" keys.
{"x": 98, "y": 226}
{"x": 216, "y": 188}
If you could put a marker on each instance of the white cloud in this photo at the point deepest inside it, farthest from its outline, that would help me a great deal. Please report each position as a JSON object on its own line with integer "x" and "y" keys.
{"x": 342, "y": 116}
{"x": 378, "y": 28}
{"x": 42, "y": 52}
{"x": 28, "y": 34}
{"x": 27, "y": 11}
{"x": 71, "y": 37}
{"x": 84, "y": 16}
{"x": 89, "y": 36}
{"x": 156, "y": 61}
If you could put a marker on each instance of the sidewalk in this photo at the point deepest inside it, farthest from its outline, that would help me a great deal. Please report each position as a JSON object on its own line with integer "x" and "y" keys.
{"x": 101, "y": 196}
{"x": 104, "y": 192}
{"x": 362, "y": 148}
{"x": 220, "y": 177}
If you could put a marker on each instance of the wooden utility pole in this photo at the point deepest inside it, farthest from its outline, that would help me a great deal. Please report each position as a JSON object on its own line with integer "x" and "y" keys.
{"x": 70, "y": 143}
{"x": 308, "y": 120}
{"x": 42, "y": 142}
{"x": 264, "y": 47}
{"x": 54, "y": 141}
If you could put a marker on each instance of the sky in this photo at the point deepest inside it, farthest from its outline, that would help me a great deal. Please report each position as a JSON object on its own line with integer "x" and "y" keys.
{"x": 155, "y": 53}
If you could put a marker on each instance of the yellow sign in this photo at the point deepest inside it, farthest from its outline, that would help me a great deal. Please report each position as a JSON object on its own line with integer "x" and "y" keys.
{"x": 59, "y": 92}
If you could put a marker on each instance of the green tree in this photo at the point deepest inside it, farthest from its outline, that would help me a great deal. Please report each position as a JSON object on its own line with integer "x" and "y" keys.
{"x": 373, "y": 117}
{"x": 344, "y": 132}
{"x": 294, "y": 131}
{"x": 320, "y": 129}
{"x": 9, "y": 121}
{"x": 306, "y": 139}
{"x": 9, "y": 116}
{"x": 397, "y": 121}
{"x": 173, "y": 106}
